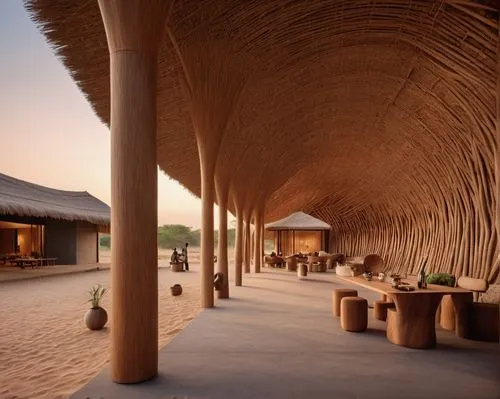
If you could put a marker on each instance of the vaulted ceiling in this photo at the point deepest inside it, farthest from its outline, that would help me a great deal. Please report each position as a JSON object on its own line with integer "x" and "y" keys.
{"x": 353, "y": 110}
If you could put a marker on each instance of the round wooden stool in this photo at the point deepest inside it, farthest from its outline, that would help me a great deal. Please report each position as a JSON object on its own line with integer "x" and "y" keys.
{"x": 337, "y": 296}
{"x": 447, "y": 315}
{"x": 354, "y": 313}
{"x": 380, "y": 309}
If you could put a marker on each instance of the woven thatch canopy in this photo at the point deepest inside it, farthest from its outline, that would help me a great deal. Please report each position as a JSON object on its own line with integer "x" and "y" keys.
{"x": 18, "y": 197}
{"x": 298, "y": 221}
{"x": 377, "y": 116}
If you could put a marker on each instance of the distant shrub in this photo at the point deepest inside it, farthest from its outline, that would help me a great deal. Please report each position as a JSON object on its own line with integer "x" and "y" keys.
{"x": 105, "y": 241}
{"x": 441, "y": 279}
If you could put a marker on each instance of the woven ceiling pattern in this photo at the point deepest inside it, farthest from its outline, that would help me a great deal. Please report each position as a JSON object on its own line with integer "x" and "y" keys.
{"x": 378, "y": 117}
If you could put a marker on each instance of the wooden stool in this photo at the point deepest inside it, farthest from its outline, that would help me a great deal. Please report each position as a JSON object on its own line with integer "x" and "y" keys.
{"x": 337, "y": 296}
{"x": 301, "y": 270}
{"x": 380, "y": 309}
{"x": 392, "y": 325}
{"x": 291, "y": 264}
{"x": 177, "y": 267}
{"x": 483, "y": 321}
{"x": 447, "y": 314}
{"x": 354, "y": 313}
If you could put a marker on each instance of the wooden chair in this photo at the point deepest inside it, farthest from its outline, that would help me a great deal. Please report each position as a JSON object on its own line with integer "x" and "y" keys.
{"x": 373, "y": 263}
{"x": 274, "y": 261}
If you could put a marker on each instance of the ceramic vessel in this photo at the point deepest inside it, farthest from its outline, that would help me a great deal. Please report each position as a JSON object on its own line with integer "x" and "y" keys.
{"x": 96, "y": 318}
{"x": 176, "y": 290}
{"x": 368, "y": 276}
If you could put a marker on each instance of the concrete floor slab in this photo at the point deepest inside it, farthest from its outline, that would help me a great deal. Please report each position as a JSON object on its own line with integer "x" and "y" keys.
{"x": 277, "y": 338}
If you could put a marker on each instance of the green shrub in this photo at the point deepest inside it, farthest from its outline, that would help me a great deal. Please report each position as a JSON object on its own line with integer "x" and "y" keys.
{"x": 441, "y": 279}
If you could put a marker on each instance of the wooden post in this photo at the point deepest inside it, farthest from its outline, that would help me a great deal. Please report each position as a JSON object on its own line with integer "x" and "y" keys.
{"x": 262, "y": 231}
{"x": 252, "y": 244}
{"x": 497, "y": 152}
{"x": 238, "y": 249}
{"x": 222, "y": 264}
{"x": 133, "y": 32}
{"x": 247, "y": 243}
{"x": 258, "y": 241}
{"x": 207, "y": 229}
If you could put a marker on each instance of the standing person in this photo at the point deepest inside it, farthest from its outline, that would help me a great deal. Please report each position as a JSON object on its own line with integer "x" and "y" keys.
{"x": 185, "y": 253}
{"x": 174, "y": 258}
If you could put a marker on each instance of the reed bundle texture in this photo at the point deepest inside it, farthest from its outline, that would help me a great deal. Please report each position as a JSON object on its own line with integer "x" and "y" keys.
{"x": 379, "y": 117}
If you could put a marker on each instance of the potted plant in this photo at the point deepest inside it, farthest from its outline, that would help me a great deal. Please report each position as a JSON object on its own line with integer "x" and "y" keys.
{"x": 96, "y": 317}
{"x": 441, "y": 279}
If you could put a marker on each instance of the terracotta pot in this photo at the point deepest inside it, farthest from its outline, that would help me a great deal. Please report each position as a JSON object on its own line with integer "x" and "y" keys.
{"x": 96, "y": 318}
{"x": 218, "y": 281}
{"x": 176, "y": 290}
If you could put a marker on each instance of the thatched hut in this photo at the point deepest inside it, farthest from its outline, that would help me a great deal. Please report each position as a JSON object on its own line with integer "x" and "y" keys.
{"x": 62, "y": 225}
{"x": 299, "y": 232}
{"x": 380, "y": 118}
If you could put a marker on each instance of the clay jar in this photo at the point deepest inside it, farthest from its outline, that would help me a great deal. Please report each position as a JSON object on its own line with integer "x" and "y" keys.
{"x": 96, "y": 318}
{"x": 176, "y": 290}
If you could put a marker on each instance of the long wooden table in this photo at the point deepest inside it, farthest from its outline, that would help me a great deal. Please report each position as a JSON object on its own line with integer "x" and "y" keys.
{"x": 413, "y": 323}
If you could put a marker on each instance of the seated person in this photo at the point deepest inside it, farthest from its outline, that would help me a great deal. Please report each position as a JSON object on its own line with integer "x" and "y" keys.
{"x": 174, "y": 258}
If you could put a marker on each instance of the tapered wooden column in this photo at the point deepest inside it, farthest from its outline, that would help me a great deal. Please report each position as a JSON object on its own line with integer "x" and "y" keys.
{"x": 258, "y": 241}
{"x": 252, "y": 243}
{"x": 207, "y": 230}
{"x": 262, "y": 231}
{"x": 222, "y": 264}
{"x": 238, "y": 249}
{"x": 133, "y": 33}
{"x": 246, "y": 264}
{"x": 497, "y": 153}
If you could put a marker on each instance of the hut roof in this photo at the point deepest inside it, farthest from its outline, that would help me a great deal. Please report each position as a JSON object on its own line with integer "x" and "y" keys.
{"x": 19, "y": 197}
{"x": 298, "y": 221}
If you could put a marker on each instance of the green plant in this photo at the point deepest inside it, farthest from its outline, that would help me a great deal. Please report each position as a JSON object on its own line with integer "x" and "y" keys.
{"x": 441, "y": 279}
{"x": 96, "y": 294}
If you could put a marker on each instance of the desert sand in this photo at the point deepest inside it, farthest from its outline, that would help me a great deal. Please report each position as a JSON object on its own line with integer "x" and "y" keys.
{"x": 45, "y": 349}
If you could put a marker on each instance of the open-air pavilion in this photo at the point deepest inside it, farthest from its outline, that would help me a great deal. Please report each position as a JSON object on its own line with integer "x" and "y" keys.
{"x": 379, "y": 117}
{"x": 299, "y": 232}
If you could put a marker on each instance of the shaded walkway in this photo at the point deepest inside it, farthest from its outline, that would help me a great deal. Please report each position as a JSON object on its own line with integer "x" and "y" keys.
{"x": 277, "y": 339}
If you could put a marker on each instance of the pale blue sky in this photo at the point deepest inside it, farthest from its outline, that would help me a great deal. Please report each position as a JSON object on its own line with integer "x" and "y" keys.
{"x": 49, "y": 134}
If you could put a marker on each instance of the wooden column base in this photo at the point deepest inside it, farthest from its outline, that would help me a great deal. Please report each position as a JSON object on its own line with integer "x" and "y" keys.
{"x": 413, "y": 323}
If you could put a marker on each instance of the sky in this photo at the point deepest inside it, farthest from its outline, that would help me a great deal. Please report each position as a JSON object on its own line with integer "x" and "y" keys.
{"x": 49, "y": 134}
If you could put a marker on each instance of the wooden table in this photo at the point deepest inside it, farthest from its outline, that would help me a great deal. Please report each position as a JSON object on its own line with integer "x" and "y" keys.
{"x": 412, "y": 324}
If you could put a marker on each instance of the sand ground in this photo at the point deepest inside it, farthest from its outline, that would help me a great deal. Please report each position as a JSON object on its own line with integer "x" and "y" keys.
{"x": 45, "y": 349}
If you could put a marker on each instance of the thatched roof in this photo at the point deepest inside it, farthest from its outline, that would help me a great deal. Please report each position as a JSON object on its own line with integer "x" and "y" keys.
{"x": 298, "y": 221}
{"x": 18, "y": 197}
{"x": 376, "y": 116}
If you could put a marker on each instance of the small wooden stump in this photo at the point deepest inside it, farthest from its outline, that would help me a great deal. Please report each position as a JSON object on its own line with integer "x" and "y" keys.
{"x": 177, "y": 267}
{"x": 301, "y": 270}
